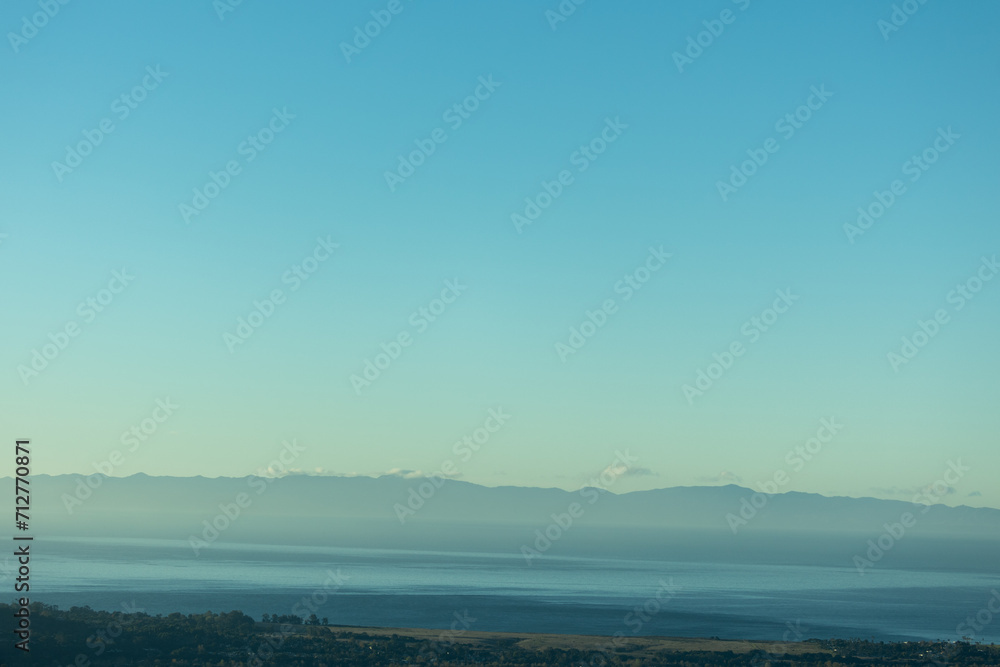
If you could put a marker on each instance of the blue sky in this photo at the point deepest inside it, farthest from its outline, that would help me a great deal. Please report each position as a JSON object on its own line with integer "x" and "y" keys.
{"x": 345, "y": 124}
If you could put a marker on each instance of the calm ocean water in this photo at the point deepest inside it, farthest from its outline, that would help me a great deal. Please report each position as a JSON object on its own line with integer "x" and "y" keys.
{"x": 500, "y": 591}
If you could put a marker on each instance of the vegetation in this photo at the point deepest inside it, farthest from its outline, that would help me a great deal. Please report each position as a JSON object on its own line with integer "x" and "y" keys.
{"x": 84, "y": 637}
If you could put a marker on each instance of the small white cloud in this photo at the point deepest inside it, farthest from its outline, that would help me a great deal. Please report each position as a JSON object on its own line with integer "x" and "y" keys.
{"x": 638, "y": 472}
{"x": 936, "y": 490}
{"x": 617, "y": 471}
{"x": 315, "y": 472}
{"x": 403, "y": 473}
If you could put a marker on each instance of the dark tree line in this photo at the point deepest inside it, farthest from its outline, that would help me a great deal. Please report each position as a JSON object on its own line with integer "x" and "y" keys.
{"x": 86, "y": 637}
{"x": 291, "y": 619}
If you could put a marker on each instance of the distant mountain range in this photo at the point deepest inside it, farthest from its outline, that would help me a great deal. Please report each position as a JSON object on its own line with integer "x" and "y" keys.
{"x": 729, "y": 523}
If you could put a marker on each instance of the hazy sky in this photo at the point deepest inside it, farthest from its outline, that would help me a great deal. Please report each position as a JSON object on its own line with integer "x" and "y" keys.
{"x": 632, "y": 139}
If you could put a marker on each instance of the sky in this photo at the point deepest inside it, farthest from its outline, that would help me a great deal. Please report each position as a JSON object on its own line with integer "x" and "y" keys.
{"x": 561, "y": 231}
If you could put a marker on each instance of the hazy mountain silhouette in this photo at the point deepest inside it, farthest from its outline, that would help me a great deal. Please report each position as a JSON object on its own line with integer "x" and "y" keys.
{"x": 679, "y": 523}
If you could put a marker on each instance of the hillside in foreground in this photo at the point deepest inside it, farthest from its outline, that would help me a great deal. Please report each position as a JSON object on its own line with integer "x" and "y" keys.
{"x": 84, "y": 636}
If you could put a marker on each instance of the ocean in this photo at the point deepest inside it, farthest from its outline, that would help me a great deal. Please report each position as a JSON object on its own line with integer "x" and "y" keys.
{"x": 501, "y": 592}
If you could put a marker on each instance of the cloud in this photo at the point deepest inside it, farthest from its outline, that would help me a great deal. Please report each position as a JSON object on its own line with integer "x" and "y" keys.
{"x": 315, "y": 472}
{"x": 405, "y": 474}
{"x": 936, "y": 490}
{"x": 614, "y": 472}
{"x": 975, "y": 494}
{"x": 725, "y": 477}
{"x": 618, "y": 470}
{"x": 639, "y": 472}
{"x": 417, "y": 474}
{"x": 402, "y": 473}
